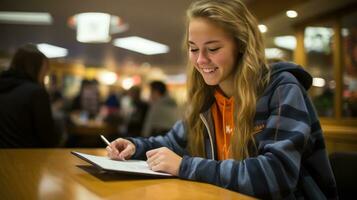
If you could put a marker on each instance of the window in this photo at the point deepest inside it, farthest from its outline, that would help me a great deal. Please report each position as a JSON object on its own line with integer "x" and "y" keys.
{"x": 318, "y": 44}
{"x": 349, "y": 46}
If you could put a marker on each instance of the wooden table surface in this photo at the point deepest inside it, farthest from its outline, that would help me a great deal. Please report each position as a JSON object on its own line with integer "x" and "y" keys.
{"x": 57, "y": 174}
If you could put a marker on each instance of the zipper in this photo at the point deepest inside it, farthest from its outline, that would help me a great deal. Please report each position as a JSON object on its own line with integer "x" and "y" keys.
{"x": 209, "y": 134}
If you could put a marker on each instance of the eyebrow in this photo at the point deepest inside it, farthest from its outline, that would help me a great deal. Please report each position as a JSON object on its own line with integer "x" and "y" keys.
{"x": 209, "y": 42}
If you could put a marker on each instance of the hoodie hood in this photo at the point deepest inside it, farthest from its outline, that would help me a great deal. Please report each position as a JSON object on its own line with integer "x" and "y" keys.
{"x": 11, "y": 79}
{"x": 304, "y": 78}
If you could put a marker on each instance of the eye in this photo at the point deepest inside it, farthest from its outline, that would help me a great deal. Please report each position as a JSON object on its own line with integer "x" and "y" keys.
{"x": 213, "y": 49}
{"x": 193, "y": 49}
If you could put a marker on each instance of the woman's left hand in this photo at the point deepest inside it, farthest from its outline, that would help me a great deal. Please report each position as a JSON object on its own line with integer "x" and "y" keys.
{"x": 164, "y": 160}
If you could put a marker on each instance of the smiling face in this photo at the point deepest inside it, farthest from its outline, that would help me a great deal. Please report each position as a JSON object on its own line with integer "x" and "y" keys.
{"x": 213, "y": 52}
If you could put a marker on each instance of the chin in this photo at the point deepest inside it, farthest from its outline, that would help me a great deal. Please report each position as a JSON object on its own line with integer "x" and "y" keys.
{"x": 210, "y": 82}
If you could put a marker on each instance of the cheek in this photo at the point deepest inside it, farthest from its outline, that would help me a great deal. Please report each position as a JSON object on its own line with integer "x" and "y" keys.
{"x": 193, "y": 58}
{"x": 227, "y": 60}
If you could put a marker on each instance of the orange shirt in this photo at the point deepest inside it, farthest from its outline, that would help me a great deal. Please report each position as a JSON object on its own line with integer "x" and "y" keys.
{"x": 222, "y": 112}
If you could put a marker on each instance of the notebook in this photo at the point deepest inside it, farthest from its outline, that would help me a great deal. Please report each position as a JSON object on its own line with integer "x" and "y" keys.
{"x": 138, "y": 167}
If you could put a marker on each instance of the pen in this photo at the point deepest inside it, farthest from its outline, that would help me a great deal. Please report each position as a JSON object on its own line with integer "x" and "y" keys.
{"x": 105, "y": 140}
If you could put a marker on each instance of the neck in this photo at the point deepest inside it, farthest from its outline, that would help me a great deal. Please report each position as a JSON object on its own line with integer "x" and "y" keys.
{"x": 227, "y": 89}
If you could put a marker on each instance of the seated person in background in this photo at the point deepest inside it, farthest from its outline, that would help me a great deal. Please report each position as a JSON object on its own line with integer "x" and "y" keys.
{"x": 87, "y": 103}
{"x": 136, "y": 117}
{"x": 162, "y": 113}
{"x": 25, "y": 112}
{"x": 112, "y": 107}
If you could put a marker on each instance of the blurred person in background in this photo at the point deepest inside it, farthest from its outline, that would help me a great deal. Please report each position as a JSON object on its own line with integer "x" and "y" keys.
{"x": 134, "y": 112}
{"x": 162, "y": 113}
{"x": 25, "y": 111}
{"x": 86, "y": 105}
{"x": 111, "y": 108}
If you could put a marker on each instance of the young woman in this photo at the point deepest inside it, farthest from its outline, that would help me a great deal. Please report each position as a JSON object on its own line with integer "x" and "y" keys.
{"x": 250, "y": 127}
{"x": 25, "y": 113}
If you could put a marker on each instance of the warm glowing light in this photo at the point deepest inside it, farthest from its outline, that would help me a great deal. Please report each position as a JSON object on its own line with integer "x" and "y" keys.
{"x": 263, "y": 28}
{"x": 35, "y": 18}
{"x": 271, "y": 53}
{"x": 318, "y": 82}
{"x": 108, "y": 78}
{"x": 52, "y": 51}
{"x": 93, "y": 27}
{"x": 291, "y": 13}
{"x": 141, "y": 45}
{"x": 127, "y": 83}
{"x": 286, "y": 42}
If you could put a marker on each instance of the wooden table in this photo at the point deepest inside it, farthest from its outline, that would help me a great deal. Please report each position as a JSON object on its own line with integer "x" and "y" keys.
{"x": 56, "y": 174}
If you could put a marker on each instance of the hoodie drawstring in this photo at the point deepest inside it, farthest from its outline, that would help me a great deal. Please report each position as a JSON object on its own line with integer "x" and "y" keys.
{"x": 227, "y": 129}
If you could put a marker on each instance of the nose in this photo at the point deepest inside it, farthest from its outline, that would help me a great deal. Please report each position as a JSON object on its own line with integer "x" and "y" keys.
{"x": 202, "y": 58}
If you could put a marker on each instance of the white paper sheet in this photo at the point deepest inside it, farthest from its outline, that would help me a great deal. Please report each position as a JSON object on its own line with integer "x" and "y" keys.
{"x": 127, "y": 166}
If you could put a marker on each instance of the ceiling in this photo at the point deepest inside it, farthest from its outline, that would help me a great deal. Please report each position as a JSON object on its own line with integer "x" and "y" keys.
{"x": 158, "y": 20}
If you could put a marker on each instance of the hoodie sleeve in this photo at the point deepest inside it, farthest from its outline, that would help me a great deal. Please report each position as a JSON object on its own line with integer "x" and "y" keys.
{"x": 175, "y": 140}
{"x": 274, "y": 172}
{"x": 43, "y": 120}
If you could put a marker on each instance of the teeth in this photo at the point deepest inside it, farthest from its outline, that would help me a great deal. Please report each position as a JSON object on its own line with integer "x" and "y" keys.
{"x": 208, "y": 70}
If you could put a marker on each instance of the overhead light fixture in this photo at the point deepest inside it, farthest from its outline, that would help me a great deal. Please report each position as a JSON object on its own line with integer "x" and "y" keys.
{"x": 318, "y": 82}
{"x": 263, "y": 28}
{"x": 286, "y": 42}
{"x": 274, "y": 53}
{"x": 52, "y": 51}
{"x": 141, "y": 45}
{"x": 93, "y": 27}
{"x": 291, "y": 13}
{"x": 96, "y": 27}
{"x": 31, "y": 18}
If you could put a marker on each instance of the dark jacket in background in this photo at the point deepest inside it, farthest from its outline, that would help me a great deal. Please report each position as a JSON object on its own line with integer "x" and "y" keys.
{"x": 25, "y": 114}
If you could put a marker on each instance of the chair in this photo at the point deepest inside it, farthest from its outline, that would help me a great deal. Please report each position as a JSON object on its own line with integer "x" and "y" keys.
{"x": 344, "y": 166}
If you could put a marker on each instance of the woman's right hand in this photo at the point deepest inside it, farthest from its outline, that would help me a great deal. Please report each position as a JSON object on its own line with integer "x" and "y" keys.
{"x": 120, "y": 149}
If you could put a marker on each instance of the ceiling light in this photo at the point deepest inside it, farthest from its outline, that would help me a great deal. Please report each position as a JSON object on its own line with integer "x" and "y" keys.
{"x": 52, "y": 51}
{"x": 93, "y": 27}
{"x": 96, "y": 27}
{"x": 141, "y": 45}
{"x": 263, "y": 28}
{"x": 33, "y": 18}
{"x": 318, "y": 82}
{"x": 274, "y": 53}
{"x": 291, "y": 13}
{"x": 286, "y": 42}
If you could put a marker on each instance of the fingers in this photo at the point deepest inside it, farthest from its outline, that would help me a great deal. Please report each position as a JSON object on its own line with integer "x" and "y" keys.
{"x": 153, "y": 161}
{"x": 155, "y": 158}
{"x": 151, "y": 152}
{"x": 164, "y": 160}
{"x": 120, "y": 149}
{"x": 112, "y": 153}
{"x": 127, "y": 152}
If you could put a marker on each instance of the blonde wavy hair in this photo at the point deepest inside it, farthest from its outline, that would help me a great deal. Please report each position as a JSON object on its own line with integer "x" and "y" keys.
{"x": 251, "y": 74}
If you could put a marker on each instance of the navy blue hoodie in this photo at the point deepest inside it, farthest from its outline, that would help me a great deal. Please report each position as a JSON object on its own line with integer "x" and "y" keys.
{"x": 291, "y": 161}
